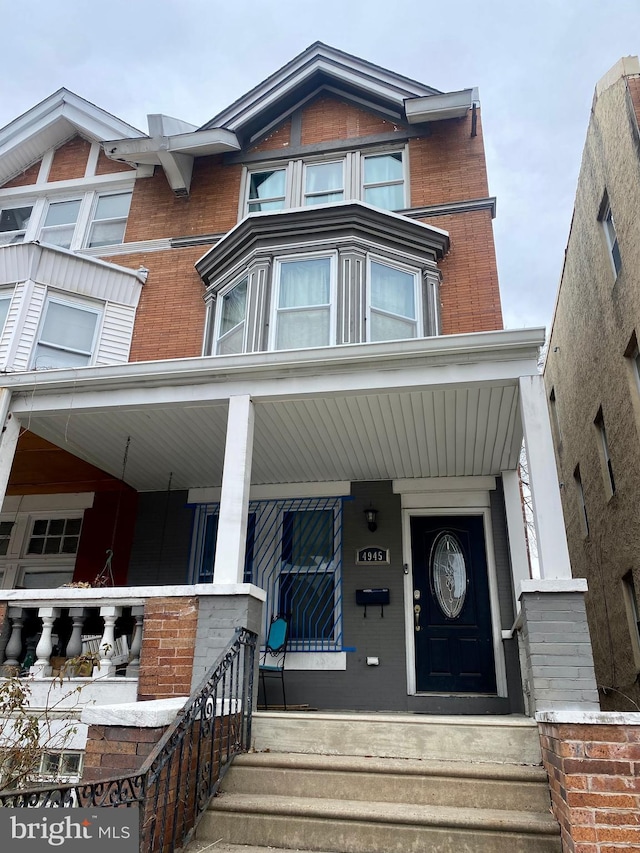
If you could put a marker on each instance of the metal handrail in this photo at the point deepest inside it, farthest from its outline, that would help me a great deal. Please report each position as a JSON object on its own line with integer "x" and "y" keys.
{"x": 173, "y": 787}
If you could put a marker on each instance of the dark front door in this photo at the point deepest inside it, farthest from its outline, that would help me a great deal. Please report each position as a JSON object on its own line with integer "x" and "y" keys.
{"x": 451, "y": 609}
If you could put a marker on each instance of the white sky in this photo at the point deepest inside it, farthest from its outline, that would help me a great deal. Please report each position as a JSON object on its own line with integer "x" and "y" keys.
{"x": 536, "y": 64}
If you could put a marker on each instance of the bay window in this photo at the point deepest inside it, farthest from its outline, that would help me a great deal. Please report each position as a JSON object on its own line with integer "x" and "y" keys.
{"x": 67, "y": 335}
{"x": 303, "y": 303}
{"x": 232, "y": 319}
{"x": 392, "y": 303}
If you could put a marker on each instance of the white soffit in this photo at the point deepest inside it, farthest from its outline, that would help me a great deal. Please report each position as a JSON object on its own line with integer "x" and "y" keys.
{"x": 50, "y": 123}
{"x": 439, "y": 107}
{"x": 448, "y": 432}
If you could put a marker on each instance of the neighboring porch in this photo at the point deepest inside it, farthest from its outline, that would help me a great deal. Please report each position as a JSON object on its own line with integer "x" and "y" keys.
{"x": 259, "y": 468}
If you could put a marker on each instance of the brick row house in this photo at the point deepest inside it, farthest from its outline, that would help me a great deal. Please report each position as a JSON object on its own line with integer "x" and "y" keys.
{"x": 258, "y": 367}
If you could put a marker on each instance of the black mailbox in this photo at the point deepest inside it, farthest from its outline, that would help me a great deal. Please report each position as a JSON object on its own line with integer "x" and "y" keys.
{"x": 366, "y": 597}
{"x": 372, "y": 598}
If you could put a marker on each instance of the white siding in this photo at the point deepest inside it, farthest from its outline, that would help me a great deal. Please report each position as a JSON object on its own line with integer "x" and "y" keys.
{"x": 12, "y": 320}
{"x": 115, "y": 337}
{"x": 31, "y": 322}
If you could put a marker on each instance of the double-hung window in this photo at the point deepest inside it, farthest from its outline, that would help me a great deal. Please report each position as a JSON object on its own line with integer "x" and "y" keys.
{"x": 109, "y": 219}
{"x": 393, "y": 303}
{"x": 60, "y": 223}
{"x": 14, "y": 222}
{"x": 324, "y": 182}
{"x": 383, "y": 180}
{"x": 67, "y": 335}
{"x": 232, "y": 323}
{"x": 267, "y": 190}
{"x": 303, "y": 302}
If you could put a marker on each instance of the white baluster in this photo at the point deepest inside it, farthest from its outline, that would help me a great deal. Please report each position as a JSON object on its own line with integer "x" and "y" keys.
{"x": 74, "y": 646}
{"x": 133, "y": 669}
{"x": 42, "y": 667}
{"x": 107, "y": 644}
{"x": 14, "y": 647}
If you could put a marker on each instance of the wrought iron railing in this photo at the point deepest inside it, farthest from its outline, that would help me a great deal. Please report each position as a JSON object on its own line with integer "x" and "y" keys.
{"x": 173, "y": 787}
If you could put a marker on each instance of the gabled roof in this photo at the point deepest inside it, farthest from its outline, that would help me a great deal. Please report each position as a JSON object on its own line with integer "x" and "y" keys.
{"x": 318, "y": 67}
{"x": 50, "y": 123}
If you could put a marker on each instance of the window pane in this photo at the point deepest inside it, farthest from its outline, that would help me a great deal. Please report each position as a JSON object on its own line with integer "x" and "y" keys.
{"x": 5, "y": 301}
{"x": 56, "y": 526}
{"x": 13, "y": 223}
{"x": 297, "y": 329}
{"x": 307, "y": 601}
{"x": 73, "y": 526}
{"x": 45, "y": 580}
{"x": 322, "y": 177}
{"x": 70, "y": 327}
{"x": 308, "y": 537}
{"x": 113, "y": 206}
{"x": 385, "y": 328}
{"x": 62, "y": 213}
{"x": 305, "y": 282}
{"x": 393, "y": 290}
{"x": 234, "y": 305}
{"x": 48, "y": 358}
{"x": 267, "y": 185}
{"x": 232, "y": 343}
{"x": 262, "y": 206}
{"x": 107, "y": 233}
{"x": 327, "y": 198}
{"x": 40, "y": 527}
{"x": 390, "y": 197}
{"x": 383, "y": 168}
{"x": 58, "y": 236}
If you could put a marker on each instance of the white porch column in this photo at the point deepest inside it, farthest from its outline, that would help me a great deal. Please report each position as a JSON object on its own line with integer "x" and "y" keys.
{"x": 42, "y": 667}
{"x": 10, "y": 426}
{"x": 516, "y": 530}
{"x": 553, "y": 554}
{"x": 228, "y": 566}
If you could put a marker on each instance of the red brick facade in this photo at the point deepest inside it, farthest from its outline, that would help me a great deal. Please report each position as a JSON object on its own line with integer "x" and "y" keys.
{"x": 594, "y": 775}
{"x": 111, "y": 750}
{"x": 168, "y": 645}
{"x": 70, "y": 160}
{"x": 328, "y": 119}
{"x": 25, "y": 179}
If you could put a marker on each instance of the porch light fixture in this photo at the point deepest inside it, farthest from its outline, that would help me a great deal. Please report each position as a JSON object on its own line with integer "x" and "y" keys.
{"x": 370, "y": 514}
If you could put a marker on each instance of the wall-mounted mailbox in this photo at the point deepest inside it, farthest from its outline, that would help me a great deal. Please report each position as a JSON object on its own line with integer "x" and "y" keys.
{"x": 372, "y": 598}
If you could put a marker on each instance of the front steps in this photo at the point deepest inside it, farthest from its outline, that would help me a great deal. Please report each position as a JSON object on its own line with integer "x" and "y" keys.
{"x": 336, "y": 797}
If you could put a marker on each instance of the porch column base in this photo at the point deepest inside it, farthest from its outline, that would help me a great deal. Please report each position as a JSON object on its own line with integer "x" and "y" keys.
{"x": 555, "y": 647}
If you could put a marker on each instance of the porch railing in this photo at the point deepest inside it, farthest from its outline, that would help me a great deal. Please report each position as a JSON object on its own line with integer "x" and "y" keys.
{"x": 173, "y": 787}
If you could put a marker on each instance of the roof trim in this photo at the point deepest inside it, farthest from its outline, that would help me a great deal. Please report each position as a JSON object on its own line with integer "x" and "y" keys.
{"x": 50, "y": 123}
{"x": 319, "y": 58}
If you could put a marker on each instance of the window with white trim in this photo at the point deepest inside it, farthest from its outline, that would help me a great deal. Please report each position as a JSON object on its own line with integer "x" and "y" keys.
{"x": 606, "y": 217}
{"x": 88, "y": 220}
{"x": 302, "y": 303}
{"x": 67, "y": 335}
{"x": 14, "y": 222}
{"x": 379, "y": 178}
{"x": 6, "y": 296}
{"x": 109, "y": 219}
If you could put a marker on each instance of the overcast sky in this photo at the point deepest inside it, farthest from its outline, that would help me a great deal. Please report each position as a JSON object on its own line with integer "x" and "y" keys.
{"x": 536, "y": 65}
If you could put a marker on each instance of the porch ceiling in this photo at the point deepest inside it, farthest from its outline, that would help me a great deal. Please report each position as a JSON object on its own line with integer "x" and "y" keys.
{"x": 466, "y": 430}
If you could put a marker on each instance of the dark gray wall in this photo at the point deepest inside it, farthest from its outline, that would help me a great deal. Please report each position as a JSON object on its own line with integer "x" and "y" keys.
{"x": 162, "y": 538}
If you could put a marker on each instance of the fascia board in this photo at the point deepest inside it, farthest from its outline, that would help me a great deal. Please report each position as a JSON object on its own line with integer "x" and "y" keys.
{"x": 521, "y": 345}
{"x": 439, "y": 107}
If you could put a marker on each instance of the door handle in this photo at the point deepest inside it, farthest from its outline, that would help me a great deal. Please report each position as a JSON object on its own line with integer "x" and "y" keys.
{"x": 416, "y": 613}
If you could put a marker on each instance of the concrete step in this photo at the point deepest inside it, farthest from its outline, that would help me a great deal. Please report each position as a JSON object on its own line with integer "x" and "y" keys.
{"x": 508, "y": 739}
{"x": 392, "y": 780}
{"x": 312, "y": 823}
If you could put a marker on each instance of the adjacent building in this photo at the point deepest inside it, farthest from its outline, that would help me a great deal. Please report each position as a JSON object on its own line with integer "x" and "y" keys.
{"x": 592, "y": 382}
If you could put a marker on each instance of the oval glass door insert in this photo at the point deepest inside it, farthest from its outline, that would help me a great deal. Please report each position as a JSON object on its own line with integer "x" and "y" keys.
{"x": 448, "y": 574}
